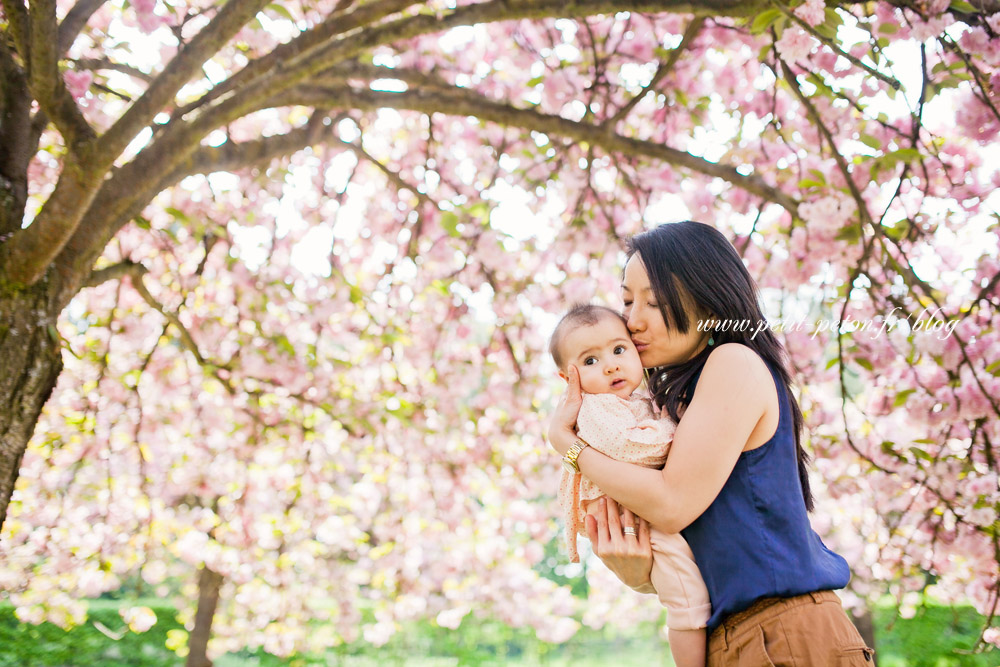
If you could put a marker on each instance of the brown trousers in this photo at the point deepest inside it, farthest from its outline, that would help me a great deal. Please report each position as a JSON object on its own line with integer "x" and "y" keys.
{"x": 810, "y": 630}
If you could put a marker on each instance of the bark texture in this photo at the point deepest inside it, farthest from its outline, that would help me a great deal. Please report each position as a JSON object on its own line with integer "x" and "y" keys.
{"x": 30, "y": 364}
{"x": 209, "y": 584}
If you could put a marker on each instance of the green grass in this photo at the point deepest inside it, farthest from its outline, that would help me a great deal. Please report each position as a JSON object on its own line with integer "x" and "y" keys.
{"x": 47, "y": 645}
{"x": 936, "y": 637}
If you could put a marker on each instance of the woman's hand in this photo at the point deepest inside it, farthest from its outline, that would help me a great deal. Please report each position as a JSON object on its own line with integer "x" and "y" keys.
{"x": 562, "y": 424}
{"x": 629, "y": 556}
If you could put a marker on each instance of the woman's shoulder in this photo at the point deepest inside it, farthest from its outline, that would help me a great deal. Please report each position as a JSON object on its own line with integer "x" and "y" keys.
{"x": 735, "y": 367}
{"x": 735, "y": 357}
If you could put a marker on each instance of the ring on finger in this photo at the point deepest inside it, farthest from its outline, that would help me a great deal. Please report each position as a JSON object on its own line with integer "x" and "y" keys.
{"x": 630, "y": 530}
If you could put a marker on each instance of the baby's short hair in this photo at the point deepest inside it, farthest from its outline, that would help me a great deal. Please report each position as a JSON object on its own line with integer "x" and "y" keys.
{"x": 580, "y": 315}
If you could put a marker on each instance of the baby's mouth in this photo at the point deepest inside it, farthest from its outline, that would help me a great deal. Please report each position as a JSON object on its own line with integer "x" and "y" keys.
{"x": 618, "y": 384}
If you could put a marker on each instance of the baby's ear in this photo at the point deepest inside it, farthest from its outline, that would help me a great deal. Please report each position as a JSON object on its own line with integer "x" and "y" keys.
{"x": 563, "y": 376}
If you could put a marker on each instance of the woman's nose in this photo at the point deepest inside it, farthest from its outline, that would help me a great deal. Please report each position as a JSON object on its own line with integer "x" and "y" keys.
{"x": 633, "y": 324}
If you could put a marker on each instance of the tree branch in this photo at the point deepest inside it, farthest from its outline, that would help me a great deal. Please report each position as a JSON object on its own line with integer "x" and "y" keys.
{"x": 857, "y": 62}
{"x": 186, "y": 339}
{"x": 45, "y": 82}
{"x": 690, "y": 33}
{"x": 501, "y": 10}
{"x": 75, "y": 20}
{"x": 232, "y": 156}
{"x": 17, "y": 23}
{"x": 134, "y": 186}
{"x": 179, "y": 140}
{"x": 230, "y": 19}
{"x": 393, "y": 176}
{"x": 300, "y": 47}
{"x": 18, "y": 141}
{"x": 27, "y": 255}
{"x": 313, "y": 62}
{"x": 116, "y": 272}
{"x": 108, "y": 64}
{"x": 460, "y": 102}
{"x": 842, "y": 165}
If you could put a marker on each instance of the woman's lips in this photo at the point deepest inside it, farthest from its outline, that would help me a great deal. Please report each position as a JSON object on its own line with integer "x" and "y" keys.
{"x": 640, "y": 346}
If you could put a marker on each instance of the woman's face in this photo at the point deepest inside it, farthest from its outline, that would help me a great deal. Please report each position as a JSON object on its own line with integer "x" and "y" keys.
{"x": 657, "y": 345}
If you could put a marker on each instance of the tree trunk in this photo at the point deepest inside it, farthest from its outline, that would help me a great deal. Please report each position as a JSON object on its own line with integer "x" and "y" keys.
{"x": 30, "y": 363}
{"x": 209, "y": 584}
{"x": 865, "y": 624}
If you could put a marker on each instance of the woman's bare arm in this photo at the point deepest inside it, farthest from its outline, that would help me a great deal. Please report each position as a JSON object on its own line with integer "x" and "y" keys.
{"x": 733, "y": 395}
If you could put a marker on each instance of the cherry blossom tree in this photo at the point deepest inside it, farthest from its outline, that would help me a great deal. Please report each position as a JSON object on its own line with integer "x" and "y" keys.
{"x": 275, "y": 278}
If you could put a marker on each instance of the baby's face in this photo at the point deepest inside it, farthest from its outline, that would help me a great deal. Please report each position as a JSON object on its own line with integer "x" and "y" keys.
{"x": 605, "y": 356}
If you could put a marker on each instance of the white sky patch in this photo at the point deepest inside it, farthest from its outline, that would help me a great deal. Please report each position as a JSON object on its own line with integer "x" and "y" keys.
{"x": 574, "y": 110}
{"x": 250, "y": 243}
{"x": 480, "y": 302}
{"x": 636, "y": 76}
{"x": 282, "y": 29}
{"x": 567, "y": 53}
{"x": 222, "y": 181}
{"x": 513, "y": 215}
{"x": 136, "y": 145}
{"x": 311, "y": 255}
{"x": 968, "y": 242}
{"x": 713, "y": 137}
{"x": 348, "y": 130}
{"x": 298, "y": 188}
{"x": 389, "y": 85}
{"x": 457, "y": 38}
{"x": 666, "y": 207}
{"x": 385, "y": 60}
{"x": 214, "y": 72}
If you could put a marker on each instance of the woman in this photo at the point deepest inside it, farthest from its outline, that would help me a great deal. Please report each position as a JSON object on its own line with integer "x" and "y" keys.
{"x": 735, "y": 482}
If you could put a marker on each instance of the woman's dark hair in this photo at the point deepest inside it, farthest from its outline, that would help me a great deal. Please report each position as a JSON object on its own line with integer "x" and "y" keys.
{"x": 693, "y": 262}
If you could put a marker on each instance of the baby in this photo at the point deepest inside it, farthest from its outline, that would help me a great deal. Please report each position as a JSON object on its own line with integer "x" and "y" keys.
{"x": 620, "y": 422}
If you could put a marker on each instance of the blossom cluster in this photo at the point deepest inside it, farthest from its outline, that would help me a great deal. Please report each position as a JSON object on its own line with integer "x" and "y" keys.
{"x": 343, "y": 415}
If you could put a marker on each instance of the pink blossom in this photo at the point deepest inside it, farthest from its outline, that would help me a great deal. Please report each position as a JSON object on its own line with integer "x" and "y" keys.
{"x": 924, "y": 30}
{"x": 812, "y": 12}
{"x": 976, "y": 119}
{"x": 78, "y": 82}
{"x": 146, "y": 12}
{"x": 795, "y": 44}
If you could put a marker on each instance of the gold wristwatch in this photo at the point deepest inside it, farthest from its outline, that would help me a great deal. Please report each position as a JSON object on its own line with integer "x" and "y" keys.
{"x": 572, "y": 454}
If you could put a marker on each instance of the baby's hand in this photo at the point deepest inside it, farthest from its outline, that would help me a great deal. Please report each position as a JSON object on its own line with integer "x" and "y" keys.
{"x": 562, "y": 425}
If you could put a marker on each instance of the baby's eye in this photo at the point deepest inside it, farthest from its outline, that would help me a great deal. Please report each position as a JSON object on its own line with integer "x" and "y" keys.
{"x": 619, "y": 349}
{"x": 590, "y": 361}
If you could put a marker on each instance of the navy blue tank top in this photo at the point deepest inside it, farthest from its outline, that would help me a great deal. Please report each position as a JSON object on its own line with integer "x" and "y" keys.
{"x": 755, "y": 540}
